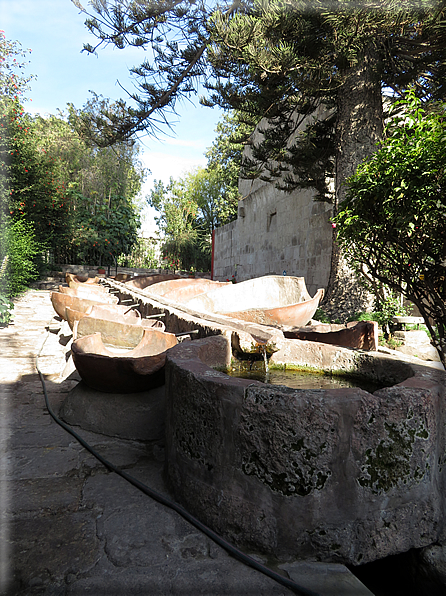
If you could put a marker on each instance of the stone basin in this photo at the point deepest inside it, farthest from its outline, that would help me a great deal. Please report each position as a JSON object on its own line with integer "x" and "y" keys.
{"x": 182, "y": 290}
{"x": 84, "y": 290}
{"x": 114, "y": 370}
{"x": 80, "y": 279}
{"x": 338, "y": 475}
{"x": 120, "y": 313}
{"x": 143, "y": 281}
{"x": 115, "y": 333}
{"x": 61, "y": 301}
{"x": 274, "y": 300}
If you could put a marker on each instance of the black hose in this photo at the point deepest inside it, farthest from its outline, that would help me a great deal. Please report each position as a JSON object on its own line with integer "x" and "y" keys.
{"x": 232, "y": 550}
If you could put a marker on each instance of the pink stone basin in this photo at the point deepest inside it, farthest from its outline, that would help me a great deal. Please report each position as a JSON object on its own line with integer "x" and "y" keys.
{"x": 61, "y": 301}
{"x": 182, "y": 290}
{"x": 269, "y": 300}
{"x": 123, "y": 371}
{"x": 362, "y": 335}
{"x": 143, "y": 281}
{"x": 120, "y": 334}
{"x": 120, "y": 313}
{"x": 80, "y": 278}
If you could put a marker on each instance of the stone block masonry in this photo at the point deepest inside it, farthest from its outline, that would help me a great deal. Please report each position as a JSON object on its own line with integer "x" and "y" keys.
{"x": 275, "y": 232}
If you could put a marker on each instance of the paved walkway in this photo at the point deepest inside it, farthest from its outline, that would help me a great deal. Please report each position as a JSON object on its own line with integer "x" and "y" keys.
{"x": 71, "y": 527}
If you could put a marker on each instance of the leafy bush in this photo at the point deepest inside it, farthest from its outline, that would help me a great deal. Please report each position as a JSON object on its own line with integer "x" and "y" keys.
{"x": 384, "y": 312}
{"x": 18, "y": 243}
{"x": 391, "y": 226}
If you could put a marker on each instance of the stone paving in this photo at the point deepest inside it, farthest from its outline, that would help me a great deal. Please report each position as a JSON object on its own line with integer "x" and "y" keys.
{"x": 70, "y": 526}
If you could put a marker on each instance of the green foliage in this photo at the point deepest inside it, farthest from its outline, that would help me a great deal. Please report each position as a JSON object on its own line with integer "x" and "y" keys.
{"x": 19, "y": 167}
{"x": 384, "y": 311}
{"x": 12, "y": 84}
{"x": 184, "y": 242}
{"x": 18, "y": 243}
{"x": 392, "y": 224}
{"x": 280, "y": 61}
{"x": 321, "y": 316}
{"x": 31, "y": 189}
{"x": 143, "y": 255}
{"x": 192, "y": 207}
{"x": 6, "y": 305}
{"x": 107, "y": 229}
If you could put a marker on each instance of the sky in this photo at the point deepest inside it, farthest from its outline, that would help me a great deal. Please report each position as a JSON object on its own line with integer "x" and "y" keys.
{"x": 55, "y": 32}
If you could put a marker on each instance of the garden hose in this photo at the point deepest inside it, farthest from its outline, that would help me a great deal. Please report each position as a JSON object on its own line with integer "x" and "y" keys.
{"x": 231, "y": 550}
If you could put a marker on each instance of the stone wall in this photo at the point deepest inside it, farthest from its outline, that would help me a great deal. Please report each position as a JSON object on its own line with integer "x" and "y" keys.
{"x": 276, "y": 232}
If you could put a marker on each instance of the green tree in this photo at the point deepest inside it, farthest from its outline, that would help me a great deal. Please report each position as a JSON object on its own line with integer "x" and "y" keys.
{"x": 19, "y": 247}
{"x": 104, "y": 231}
{"x": 103, "y": 185}
{"x": 280, "y": 61}
{"x": 19, "y": 250}
{"x": 33, "y": 188}
{"x": 392, "y": 224}
{"x": 185, "y": 245}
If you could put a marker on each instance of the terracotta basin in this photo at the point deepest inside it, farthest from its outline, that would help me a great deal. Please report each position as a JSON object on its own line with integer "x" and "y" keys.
{"x": 61, "y": 301}
{"x": 122, "y": 277}
{"x": 270, "y": 300}
{"x": 292, "y": 315}
{"x": 362, "y": 335}
{"x": 76, "y": 285}
{"x": 111, "y": 312}
{"x": 81, "y": 278}
{"x": 182, "y": 290}
{"x": 113, "y": 333}
{"x": 90, "y": 294}
{"x": 143, "y": 281}
{"x": 126, "y": 371}
{"x": 75, "y": 288}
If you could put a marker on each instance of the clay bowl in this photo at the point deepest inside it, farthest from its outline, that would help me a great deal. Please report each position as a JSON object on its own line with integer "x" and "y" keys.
{"x": 113, "y": 333}
{"x": 85, "y": 286}
{"x": 111, "y": 312}
{"x": 81, "y": 278}
{"x": 61, "y": 301}
{"x": 123, "y": 371}
{"x": 143, "y": 281}
{"x": 90, "y": 294}
{"x": 182, "y": 290}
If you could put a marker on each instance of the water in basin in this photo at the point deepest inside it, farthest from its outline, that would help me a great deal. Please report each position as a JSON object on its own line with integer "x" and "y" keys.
{"x": 300, "y": 379}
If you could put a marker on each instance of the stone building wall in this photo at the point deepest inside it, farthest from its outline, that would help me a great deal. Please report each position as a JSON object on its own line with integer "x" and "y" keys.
{"x": 275, "y": 232}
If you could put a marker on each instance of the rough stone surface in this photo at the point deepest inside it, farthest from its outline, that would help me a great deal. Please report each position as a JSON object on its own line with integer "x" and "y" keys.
{"x": 365, "y": 483}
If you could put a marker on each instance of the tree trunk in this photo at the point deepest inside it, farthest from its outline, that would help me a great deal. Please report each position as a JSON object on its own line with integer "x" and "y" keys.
{"x": 359, "y": 128}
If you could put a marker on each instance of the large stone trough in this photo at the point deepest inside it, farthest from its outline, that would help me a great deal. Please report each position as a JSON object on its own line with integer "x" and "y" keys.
{"x": 338, "y": 475}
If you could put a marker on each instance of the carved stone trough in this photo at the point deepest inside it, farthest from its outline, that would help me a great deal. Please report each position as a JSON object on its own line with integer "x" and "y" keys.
{"x": 338, "y": 475}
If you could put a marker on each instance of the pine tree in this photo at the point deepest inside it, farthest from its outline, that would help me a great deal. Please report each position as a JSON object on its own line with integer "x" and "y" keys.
{"x": 278, "y": 61}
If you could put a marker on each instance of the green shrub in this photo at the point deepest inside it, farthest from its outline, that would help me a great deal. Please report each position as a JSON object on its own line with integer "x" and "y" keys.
{"x": 18, "y": 243}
